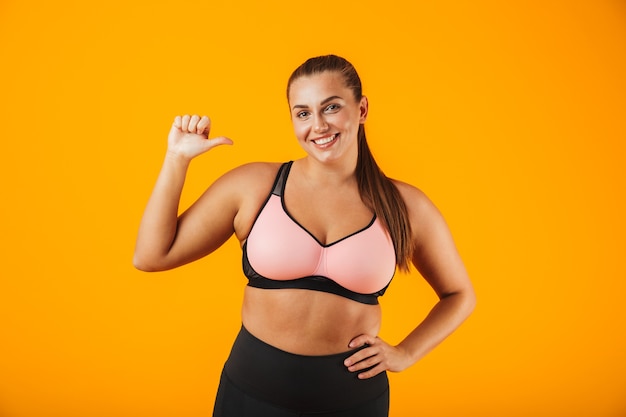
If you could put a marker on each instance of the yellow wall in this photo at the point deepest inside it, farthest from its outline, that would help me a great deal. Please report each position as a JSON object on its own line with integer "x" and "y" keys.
{"x": 509, "y": 115}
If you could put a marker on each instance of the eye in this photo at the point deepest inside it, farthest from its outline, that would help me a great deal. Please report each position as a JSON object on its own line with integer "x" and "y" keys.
{"x": 331, "y": 108}
{"x": 302, "y": 114}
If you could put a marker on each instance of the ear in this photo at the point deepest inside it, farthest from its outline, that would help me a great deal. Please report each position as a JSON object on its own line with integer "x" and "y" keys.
{"x": 363, "y": 107}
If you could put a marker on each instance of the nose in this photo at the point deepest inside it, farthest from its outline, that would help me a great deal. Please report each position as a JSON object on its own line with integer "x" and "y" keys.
{"x": 320, "y": 125}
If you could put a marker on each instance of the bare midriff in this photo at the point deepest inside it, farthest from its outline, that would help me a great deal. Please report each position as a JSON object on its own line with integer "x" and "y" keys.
{"x": 307, "y": 322}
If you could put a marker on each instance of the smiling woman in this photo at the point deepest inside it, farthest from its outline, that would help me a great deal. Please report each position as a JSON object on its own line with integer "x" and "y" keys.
{"x": 321, "y": 238}
{"x": 326, "y": 125}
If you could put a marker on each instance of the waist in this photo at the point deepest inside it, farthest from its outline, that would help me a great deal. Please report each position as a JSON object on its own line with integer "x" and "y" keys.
{"x": 307, "y": 322}
{"x": 298, "y": 382}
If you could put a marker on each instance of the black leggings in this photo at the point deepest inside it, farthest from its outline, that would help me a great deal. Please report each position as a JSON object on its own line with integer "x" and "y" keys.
{"x": 260, "y": 380}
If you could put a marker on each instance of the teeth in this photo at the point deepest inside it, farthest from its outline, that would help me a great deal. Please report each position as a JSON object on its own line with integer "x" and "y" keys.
{"x": 325, "y": 141}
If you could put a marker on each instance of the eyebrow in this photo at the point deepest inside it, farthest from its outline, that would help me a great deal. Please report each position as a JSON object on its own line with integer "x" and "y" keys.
{"x": 326, "y": 100}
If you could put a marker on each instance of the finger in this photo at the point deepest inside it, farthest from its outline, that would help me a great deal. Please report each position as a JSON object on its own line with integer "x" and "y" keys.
{"x": 203, "y": 125}
{"x": 359, "y": 356}
{"x": 362, "y": 340}
{"x": 220, "y": 140}
{"x": 185, "y": 123}
{"x": 193, "y": 122}
{"x": 372, "y": 372}
{"x": 365, "y": 363}
{"x": 177, "y": 122}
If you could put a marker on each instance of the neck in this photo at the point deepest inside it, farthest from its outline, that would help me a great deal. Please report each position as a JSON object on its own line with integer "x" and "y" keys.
{"x": 329, "y": 173}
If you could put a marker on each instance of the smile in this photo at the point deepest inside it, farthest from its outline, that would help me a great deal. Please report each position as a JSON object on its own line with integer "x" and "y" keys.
{"x": 324, "y": 141}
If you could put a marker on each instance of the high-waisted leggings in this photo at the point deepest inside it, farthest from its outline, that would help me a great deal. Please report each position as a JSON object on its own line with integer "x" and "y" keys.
{"x": 260, "y": 380}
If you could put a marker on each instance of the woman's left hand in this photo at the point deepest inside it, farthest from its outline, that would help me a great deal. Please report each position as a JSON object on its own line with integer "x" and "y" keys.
{"x": 378, "y": 355}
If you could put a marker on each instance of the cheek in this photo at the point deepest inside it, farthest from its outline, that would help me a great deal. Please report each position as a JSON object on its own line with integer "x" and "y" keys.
{"x": 347, "y": 120}
{"x": 300, "y": 130}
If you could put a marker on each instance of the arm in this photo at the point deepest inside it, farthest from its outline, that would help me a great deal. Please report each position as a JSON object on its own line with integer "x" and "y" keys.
{"x": 438, "y": 261}
{"x": 166, "y": 240}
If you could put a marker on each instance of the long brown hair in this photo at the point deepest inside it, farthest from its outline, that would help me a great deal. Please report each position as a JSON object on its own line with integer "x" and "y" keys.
{"x": 376, "y": 189}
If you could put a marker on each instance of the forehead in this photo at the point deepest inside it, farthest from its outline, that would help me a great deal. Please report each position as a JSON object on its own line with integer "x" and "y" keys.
{"x": 312, "y": 89}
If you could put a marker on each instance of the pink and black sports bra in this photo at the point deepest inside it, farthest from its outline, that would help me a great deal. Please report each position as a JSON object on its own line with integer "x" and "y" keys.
{"x": 281, "y": 253}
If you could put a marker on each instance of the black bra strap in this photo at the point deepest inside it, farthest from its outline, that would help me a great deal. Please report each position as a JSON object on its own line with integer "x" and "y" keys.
{"x": 281, "y": 179}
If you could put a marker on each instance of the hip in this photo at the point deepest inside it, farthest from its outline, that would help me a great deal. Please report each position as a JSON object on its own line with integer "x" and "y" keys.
{"x": 304, "y": 383}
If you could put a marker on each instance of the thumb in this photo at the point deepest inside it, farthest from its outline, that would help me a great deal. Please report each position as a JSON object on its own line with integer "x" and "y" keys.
{"x": 362, "y": 340}
{"x": 217, "y": 141}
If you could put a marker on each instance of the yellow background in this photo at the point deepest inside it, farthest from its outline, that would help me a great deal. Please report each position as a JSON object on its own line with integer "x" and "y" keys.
{"x": 509, "y": 115}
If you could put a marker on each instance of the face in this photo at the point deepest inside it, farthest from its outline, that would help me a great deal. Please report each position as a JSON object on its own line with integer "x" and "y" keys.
{"x": 326, "y": 116}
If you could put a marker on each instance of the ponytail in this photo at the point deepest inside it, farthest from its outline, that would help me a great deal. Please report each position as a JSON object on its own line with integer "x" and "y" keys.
{"x": 383, "y": 198}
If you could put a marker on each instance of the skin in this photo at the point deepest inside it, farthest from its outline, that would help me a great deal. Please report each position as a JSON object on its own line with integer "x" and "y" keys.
{"x": 322, "y": 194}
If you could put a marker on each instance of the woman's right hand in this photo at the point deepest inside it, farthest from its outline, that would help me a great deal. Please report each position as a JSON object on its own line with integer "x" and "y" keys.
{"x": 189, "y": 137}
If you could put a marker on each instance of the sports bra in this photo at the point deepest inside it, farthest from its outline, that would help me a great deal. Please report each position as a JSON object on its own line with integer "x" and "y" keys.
{"x": 281, "y": 253}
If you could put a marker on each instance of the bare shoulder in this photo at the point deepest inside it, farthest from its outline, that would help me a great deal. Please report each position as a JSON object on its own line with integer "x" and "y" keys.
{"x": 238, "y": 187}
{"x": 417, "y": 202}
{"x": 425, "y": 217}
{"x": 249, "y": 179}
{"x": 252, "y": 173}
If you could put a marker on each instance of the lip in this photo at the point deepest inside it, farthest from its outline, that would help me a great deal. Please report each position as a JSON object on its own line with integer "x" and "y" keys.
{"x": 334, "y": 137}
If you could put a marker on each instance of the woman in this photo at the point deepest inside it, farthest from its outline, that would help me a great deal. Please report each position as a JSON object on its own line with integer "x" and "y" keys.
{"x": 321, "y": 238}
